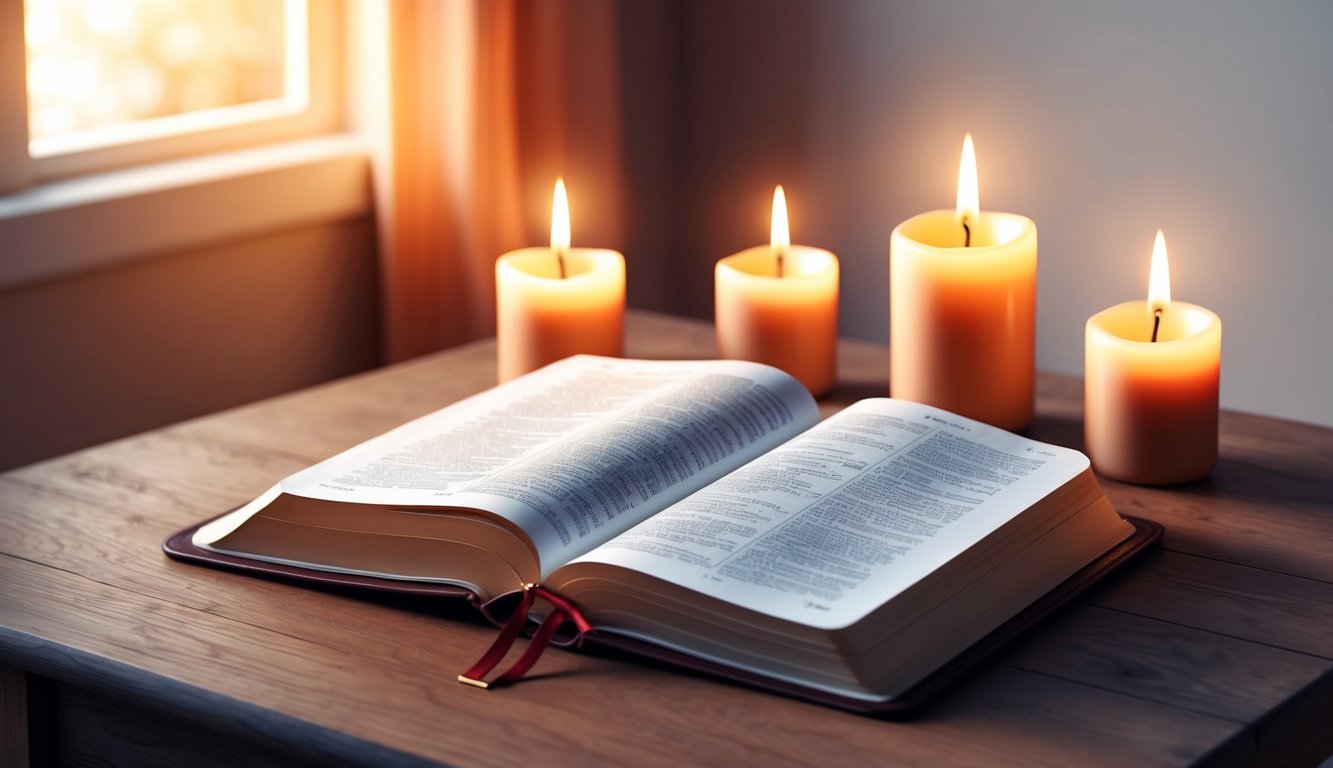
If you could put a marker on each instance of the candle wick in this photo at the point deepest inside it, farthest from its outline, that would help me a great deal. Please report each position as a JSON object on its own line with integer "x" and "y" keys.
{"x": 560, "y": 262}
{"x": 967, "y": 234}
{"x": 1156, "y": 322}
{"x": 780, "y": 260}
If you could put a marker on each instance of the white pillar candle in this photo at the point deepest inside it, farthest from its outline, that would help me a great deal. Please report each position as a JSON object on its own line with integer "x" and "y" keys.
{"x": 962, "y": 308}
{"x": 1150, "y": 407}
{"x": 787, "y": 318}
{"x": 559, "y": 301}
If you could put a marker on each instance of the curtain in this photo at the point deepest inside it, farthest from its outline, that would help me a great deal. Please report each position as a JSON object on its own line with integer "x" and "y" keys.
{"x": 480, "y": 104}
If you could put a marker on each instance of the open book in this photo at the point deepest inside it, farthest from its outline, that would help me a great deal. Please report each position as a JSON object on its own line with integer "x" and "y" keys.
{"x": 702, "y": 507}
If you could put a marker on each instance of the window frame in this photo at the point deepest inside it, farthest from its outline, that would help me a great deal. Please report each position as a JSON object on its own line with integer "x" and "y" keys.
{"x": 60, "y": 217}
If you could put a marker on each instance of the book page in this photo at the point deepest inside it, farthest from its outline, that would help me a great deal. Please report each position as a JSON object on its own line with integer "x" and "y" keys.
{"x": 444, "y": 451}
{"x": 837, "y": 521}
{"x": 566, "y": 451}
{"x": 580, "y": 492}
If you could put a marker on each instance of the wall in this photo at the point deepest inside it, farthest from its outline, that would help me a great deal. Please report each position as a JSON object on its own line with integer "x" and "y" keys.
{"x": 1103, "y": 122}
{"x": 109, "y": 353}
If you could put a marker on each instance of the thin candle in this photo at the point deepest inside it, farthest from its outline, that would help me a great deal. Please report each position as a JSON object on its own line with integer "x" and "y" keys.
{"x": 560, "y": 226}
{"x": 779, "y": 235}
{"x": 969, "y": 205}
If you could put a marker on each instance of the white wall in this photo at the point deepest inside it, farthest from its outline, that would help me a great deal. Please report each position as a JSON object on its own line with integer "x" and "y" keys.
{"x": 1102, "y": 121}
{"x": 1105, "y": 122}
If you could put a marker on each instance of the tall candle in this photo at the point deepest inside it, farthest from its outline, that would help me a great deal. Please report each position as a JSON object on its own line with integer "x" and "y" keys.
{"x": 559, "y": 301}
{"x": 778, "y": 304}
{"x": 962, "y": 308}
{"x": 1150, "y": 406}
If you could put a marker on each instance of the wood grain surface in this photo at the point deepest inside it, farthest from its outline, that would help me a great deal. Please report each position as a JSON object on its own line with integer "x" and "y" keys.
{"x": 1216, "y": 650}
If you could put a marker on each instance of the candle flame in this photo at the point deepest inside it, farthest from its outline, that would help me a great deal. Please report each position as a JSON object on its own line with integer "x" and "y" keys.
{"x": 779, "y": 236}
{"x": 1159, "y": 279}
{"x": 560, "y": 218}
{"x": 969, "y": 207}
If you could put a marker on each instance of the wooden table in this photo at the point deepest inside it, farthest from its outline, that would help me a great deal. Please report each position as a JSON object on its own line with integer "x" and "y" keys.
{"x": 1215, "y": 649}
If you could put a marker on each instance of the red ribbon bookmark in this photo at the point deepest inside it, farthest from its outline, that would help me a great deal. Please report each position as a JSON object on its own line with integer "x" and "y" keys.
{"x": 564, "y": 611}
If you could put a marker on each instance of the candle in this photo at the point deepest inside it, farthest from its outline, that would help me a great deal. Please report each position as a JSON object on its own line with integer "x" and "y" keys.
{"x": 559, "y": 301}
{"x": 1150, "y": 406}
{"x": 962, "y": 308}
{"x": 778, "y": 304}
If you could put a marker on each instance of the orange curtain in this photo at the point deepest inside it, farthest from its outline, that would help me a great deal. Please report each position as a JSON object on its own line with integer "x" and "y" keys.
{"x": 446, "y": 170}
{"x": 486, "y": 102}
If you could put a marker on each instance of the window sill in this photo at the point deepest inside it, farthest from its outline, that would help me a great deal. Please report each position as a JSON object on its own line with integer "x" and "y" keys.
{"x": 94, "y": 222}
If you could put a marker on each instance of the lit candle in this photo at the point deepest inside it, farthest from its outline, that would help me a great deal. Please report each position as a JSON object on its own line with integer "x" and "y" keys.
{"x": 559, "y": 301}
{"x": 962, "y": 308}
{"x": 778, "y": 304}
{"x": 1150, "y": 393}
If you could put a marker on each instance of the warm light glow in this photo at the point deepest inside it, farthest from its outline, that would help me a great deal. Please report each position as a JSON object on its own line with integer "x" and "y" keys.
{"x": 103, "y": 72}
{"x": 969, "y": 207}
{"x": 560, "y": 218}
{"x": 1159, "y": 279}
{"x": 779, "y": 236}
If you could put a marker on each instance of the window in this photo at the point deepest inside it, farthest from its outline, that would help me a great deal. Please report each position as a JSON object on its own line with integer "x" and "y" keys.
{"x": 167, "y": 144}
{"x": 114, "y": 83}
{"x": 102, "y": 73}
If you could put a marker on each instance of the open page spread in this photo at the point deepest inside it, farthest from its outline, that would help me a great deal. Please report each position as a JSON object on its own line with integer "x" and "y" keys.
{"x": 573, "y": 454}
{"x": 835, "y": 522}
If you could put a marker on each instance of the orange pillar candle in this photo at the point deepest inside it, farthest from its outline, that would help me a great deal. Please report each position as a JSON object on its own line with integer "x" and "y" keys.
{"x": 559, "y": 301}
{"x": 778, "y": 304}
{"x": 962, "y": 308}
{"x": 1150, "y": 407}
